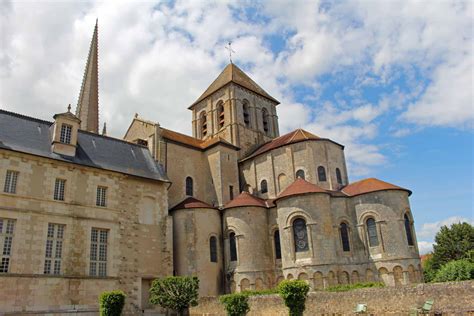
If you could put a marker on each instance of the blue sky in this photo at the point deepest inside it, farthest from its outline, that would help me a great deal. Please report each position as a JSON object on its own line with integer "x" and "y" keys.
{"x": 391, "y": 80}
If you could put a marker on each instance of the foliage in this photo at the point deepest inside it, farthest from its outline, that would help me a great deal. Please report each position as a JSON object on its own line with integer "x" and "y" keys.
{"x": 235, "y": 304}
{"x": 175, "y": 292}
{"x": 260, "y": 292}
{"x": 294, "y": 294}
{"x": 348, "y": 287}
{"x": 453, "y": 243}
{"x": 428, "y": 271}
{"x": 111, "y": 303}
{"x": 458, "y": 270}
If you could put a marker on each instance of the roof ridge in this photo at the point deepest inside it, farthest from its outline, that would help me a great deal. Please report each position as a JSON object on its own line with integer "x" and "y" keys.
{"x": 26, "y": 117}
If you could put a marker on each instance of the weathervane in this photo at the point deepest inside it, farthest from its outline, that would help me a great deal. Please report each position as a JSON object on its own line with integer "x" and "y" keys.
{"x": 229, "y": 48}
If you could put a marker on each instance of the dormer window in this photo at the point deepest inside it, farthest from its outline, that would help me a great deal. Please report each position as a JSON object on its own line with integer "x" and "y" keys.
{"x": 66, "y": 131}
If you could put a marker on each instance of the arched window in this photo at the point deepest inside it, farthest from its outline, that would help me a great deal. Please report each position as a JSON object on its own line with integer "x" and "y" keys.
{"x": 345, "y": 237}
{"x": 203, "y": 120}
{"x": 300, "y": 235}
{"x": 266, "y": 126}
{"x": 246, "y": 114}
{"x": 300, "y": 174}
{"x": 189, "y": 186}
{"x": 338, "y": 176}
{"x": 213, "y": 248}
{"x": 233, "y": 247}
{"x": 372, "y": 232}
{"x": 321, "y": 173}
{"x": 276, "y": 238}
{"x": 220, "y": 115}
{"x": 408, "y": 230}
{"x": 263, "y": 186}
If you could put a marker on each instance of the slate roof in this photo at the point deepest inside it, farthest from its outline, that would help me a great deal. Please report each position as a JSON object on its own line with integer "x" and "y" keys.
{"x": 232, "y": 73}
{"x": 247, "y": 199}
{"x": 33, "y": 136}
{"x": 370, "y": 185}
{"x": 296, "y": 136}
{"x": 190, "y": 203}
{"x": 301, "y": 186}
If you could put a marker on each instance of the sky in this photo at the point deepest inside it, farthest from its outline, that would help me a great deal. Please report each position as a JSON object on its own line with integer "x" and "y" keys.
{"x": 391, "y": 80}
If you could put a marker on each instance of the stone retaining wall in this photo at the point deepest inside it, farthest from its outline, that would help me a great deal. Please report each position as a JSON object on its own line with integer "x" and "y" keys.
{"x": 451, "y": 298}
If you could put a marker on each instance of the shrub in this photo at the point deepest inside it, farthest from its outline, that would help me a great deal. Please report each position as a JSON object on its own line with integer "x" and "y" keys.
{"x": 177, "y": 292}
{"x": 235, "y": 304}
{"x": 458, "y": 270}
{"x": 348, "y": 287}
{"x": 111, "y": 303}
{"x": 294, "y": 294}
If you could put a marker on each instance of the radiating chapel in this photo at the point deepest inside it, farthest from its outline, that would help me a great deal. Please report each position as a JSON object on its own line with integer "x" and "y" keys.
{"x": 236, "y": 203}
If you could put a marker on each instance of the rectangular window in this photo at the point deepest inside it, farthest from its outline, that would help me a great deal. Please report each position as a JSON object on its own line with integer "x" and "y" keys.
{"x": 6, "y": 239}
{"x": 10, "y": 181}
{"x": 66, "y": 131}
{"x": 59, "y": 188}
{"x": 231, "y": 192}
{"x": 101, "y": 199}
{"x": 54, "y": 249}
{"x": 98, "y": 256}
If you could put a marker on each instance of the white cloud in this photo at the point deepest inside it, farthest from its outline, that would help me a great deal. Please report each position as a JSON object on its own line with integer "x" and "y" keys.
{"x": 429, "y": 230}
{"x": 425, "y": 247}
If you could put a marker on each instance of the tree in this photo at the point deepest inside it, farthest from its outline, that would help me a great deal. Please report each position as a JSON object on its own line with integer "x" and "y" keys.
{"x": 453, "y": 243}
{"x": 177, "y": 293}
{"x": 111, "y": 303}
{"x": 458, "y": 270}
{"x": 294, "y": 294}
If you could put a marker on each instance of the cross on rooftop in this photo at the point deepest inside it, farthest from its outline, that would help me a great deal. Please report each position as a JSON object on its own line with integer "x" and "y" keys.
{"x": 229, "y": 48}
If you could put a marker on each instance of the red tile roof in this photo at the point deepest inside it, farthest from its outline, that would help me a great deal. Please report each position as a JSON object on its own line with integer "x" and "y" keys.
{"x": 370, "y": 185}
{"x": 301, "y": 186}
{"x": 191, "y": 202}
{"x": 246, "y": 199}
{"x": 290, "y": 138}
{"x": 191, "y": 141}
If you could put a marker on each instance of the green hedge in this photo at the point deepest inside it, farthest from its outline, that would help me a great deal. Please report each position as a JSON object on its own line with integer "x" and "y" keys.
{"x": 294, "y": 294}
{"x": 458, "y": 270}
{"x": 348, "y": 287}
{"x": 235, "y": 304}
{"x": 111, "y": 303}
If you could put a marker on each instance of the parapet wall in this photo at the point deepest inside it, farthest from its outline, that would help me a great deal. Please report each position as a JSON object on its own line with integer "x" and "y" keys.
{"x": 451, "y": 298}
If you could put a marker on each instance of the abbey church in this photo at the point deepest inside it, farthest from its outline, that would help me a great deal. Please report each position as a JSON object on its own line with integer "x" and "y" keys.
{"x": 236, "y": 204}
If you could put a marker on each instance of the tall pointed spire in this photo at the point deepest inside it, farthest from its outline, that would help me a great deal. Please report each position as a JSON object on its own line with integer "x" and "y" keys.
{"x": 88, "y": 105}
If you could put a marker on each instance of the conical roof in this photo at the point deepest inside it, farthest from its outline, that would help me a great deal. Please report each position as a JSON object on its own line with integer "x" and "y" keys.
{"x": 246, "y": 199}
{"x": 191, "y": 202}
{"x": 232, "y": 73}
{"x": 370, "y": 185}
{"x": 88, "y": 104}
{"x": 300, "y": 186}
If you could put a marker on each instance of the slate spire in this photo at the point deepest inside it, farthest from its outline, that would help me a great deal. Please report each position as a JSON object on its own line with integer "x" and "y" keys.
{"x": 88, "y": 104}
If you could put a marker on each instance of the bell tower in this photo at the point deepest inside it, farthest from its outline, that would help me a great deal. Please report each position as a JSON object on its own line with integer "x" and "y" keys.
{"x": 236, "y": 109}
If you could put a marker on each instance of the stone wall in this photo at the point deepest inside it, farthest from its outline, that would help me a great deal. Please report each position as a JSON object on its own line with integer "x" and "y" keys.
{"x": 452, "y": 298}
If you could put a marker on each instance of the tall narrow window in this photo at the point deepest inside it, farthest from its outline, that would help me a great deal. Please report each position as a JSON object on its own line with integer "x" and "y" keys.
{"x": 101, "y": 199}
{"x": 338, "y": 176}
{"x": 266, "y": 126}
{"x": 54, "y": 249}
{"x": 10, "y": 181}
{"x": 189, "y": 186}
{"x": 220, "y": 115}
{"x": 276, "y": 240}
{"x": 203, "y": 120}
{"x": 59, "y": 188}
{"x": 321, "y": 173}
{"x": 345, "y": 237}
{"x": 300, "y": 235}
{"x": 213, "y": 248}
{"x": 372, "y": 232}
{"x": 65, "y": 136}
{"x": 263, "y": 186}
{"x": 408, "y": 230}
{"x": 233, "y": 247}
{"x": 246, "y": 112}
{"x": 300, "y": 174}
{"x": 6, "y": 239}
{"x": 231, "y": 192}
{"x": 98, "y": 258}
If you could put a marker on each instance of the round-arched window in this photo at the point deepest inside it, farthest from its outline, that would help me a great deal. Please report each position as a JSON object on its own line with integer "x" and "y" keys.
{"x": 300, "y": 235}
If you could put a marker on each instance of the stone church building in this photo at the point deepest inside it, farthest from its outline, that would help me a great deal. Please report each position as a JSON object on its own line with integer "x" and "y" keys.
{"x": 236, "y": 203}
